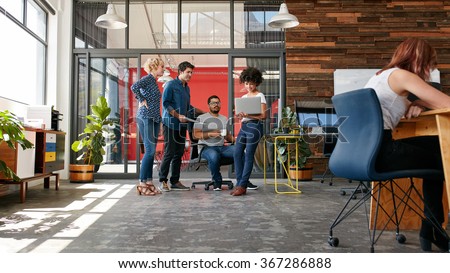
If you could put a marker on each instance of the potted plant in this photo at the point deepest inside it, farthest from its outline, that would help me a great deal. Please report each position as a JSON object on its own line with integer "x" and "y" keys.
{"x": 91, "y": 142}
{"x": 299, "y": 167}
{"x": 11, "y": 134}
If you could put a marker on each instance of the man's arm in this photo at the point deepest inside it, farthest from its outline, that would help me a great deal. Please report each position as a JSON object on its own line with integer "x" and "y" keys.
{"x": 195, "y": 111}
{"x": 200, "y": 134}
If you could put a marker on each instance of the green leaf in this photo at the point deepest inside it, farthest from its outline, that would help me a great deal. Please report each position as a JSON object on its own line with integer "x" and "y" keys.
{"x": 12, "y": 133}
{"x": 92, "y": 141}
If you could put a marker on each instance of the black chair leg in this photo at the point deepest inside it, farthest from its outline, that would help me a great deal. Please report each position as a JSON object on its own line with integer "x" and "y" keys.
{"x": 401, "y": 202}
{"x": 356, "y": 190}
{"x": 326, "y": 173}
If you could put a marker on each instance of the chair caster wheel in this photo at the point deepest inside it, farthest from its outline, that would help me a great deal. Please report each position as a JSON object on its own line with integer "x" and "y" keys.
{"x": 333, "y": 241}
{"x": 230, "y": 187}
{"x": 193, "y": 187}
{"x": 343, "y": 193}
{"x": 354, "y": 197}
{"x": 401, "y": 239}
{"x": 206, "y": 188}
{"x": 321, "y": 181}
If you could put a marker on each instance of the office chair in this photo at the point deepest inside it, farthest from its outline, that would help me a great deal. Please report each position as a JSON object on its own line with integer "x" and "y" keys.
{"x": 198, "y": 161}
{"x": 329, "y": 142}
{"x": 354, "y": 157}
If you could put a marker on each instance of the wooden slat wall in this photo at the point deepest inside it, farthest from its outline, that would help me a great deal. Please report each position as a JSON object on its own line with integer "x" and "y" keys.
{"x": 357, "y": 34}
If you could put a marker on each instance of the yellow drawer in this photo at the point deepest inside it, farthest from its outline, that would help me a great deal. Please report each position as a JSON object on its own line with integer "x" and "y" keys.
{"x": 50, "y": 156}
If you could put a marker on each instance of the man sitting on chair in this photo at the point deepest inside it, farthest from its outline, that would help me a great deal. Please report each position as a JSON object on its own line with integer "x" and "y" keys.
{"x": 211, "y": 131}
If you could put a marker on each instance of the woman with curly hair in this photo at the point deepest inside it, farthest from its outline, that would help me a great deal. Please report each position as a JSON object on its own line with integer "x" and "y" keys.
{"x": 250, "y": 133}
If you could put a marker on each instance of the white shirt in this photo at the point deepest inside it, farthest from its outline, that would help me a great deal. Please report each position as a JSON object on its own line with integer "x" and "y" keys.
{"x": 393, "y": 106}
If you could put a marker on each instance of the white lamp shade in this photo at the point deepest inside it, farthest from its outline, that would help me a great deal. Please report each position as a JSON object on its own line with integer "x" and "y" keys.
{"x": 283, "y": 19}
{"x": 165, "y": 77}
{"x": 111, "y": 20}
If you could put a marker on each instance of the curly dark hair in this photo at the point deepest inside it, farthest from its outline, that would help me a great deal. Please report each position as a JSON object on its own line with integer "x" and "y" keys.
{"x": 251, "y": 74}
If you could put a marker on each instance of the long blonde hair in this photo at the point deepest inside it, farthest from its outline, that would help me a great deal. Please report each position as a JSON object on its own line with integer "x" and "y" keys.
{"x": 416, "y": 56}
{"x": 152, "y": 64}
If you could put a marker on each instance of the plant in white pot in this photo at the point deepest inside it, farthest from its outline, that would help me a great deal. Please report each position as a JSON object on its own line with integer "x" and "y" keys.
{"x": 92, "y": 142}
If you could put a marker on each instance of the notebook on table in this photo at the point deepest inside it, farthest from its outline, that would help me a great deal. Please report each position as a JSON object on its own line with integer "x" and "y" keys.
{"x": 248, "y": 105}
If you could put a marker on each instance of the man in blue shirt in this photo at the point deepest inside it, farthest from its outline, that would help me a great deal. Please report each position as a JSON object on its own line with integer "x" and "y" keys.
{"x": 176, "y": 101}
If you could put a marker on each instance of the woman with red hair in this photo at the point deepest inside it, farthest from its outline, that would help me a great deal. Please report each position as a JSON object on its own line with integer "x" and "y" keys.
{"x": 407, "y": 74}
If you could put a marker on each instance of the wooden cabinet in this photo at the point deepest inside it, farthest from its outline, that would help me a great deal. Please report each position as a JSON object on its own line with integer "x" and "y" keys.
{"x": 46, "y": 157}
{"x": 37, "y": 163}
{"x": 50, "y": 147}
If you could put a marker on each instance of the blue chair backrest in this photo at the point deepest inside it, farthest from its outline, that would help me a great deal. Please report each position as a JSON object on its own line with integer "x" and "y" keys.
{"x": 360, "y": 134}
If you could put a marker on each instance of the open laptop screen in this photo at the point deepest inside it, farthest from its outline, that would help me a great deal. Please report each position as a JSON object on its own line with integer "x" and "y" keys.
{"x": 328, "y": 120}
{"x": 308, "y": 119}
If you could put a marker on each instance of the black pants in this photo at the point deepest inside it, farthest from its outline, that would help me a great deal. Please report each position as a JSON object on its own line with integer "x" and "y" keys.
{"x": 416, "y": 153}
{"x": 174, "y": 142}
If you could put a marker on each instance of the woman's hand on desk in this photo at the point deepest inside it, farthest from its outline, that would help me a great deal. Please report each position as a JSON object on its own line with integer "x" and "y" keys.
{"x": 414, "y": 111}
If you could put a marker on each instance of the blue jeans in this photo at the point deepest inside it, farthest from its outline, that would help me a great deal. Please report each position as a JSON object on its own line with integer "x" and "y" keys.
{"x": 244, "y": 151}
{"x": 174, "y": 141}
{"x": 214, "y": 154}
{"x": 149, "y": 131}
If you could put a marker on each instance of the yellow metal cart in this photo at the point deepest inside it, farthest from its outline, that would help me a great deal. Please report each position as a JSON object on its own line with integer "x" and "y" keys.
{"x": 289, "y": 184}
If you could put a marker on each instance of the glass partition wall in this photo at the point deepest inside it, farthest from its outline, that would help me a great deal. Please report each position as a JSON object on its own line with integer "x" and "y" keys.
{"x": 220, "y": 38}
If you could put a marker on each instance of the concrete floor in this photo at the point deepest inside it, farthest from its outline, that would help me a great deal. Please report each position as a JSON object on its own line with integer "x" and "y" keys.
{"x": 107, "y": 216}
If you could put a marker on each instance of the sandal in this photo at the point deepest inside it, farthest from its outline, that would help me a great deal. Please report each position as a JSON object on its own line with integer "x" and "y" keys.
{"x": 152, "y": 188}
{"x": 144, "y": 190}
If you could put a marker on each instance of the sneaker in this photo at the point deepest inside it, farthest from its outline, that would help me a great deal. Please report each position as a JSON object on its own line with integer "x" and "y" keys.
{"x": 179, "y": 187}
{"x": 218, "y": 186}
{"x": 163, "y": 186}
{"x": 250, "y": 186}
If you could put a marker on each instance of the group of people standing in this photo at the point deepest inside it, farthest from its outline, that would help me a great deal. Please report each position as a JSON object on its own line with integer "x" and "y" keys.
{"x": 177, "y": 112}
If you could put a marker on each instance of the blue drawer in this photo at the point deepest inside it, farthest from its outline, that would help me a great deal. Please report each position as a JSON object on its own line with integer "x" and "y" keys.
{"x": 50, "y": 147}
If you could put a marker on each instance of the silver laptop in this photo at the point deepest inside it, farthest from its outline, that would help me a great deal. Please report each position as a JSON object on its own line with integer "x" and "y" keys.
{"x": 249, "y": 105}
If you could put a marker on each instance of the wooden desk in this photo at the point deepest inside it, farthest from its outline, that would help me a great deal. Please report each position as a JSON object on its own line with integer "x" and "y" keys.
{"x": 434, "y": 122}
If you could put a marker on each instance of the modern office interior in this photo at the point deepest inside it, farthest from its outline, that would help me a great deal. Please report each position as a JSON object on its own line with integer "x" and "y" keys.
{"x": 68, "y": 60}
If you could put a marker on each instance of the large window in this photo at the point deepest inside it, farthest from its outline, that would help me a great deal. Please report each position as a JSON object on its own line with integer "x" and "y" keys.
{"x": 22, "y": 51}
{"x": 204, "y": 24}
{"x": 157, "y": 25}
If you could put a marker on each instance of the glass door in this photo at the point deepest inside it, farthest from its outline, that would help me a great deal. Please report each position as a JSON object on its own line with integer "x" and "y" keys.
{"x": 111, "y": 78}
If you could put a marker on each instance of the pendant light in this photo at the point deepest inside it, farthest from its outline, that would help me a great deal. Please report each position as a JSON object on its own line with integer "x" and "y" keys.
{"x": 111, "y": 20}
{"x": 165, "y": 77}
{"x": 283, "y": 19}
